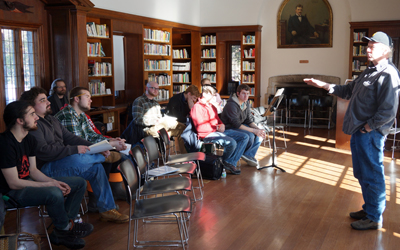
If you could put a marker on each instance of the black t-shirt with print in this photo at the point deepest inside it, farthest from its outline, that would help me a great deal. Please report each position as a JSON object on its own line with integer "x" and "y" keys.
{"x": 15, "y": 154}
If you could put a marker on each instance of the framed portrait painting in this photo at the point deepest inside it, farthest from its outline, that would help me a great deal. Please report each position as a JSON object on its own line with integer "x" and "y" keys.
{"x": 304, "y": 24}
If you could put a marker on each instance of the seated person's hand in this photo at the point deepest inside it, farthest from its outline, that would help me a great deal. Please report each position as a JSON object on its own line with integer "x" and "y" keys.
{"x": 259, "y": 132}
{"x": 117, "y": 144}
{"x": 105, "y": 153}
{"x": 82, "y": 149}
{"x": 221, "y": 127}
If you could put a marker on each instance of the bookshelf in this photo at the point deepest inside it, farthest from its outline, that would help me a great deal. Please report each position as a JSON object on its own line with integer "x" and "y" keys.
{"x": 359, "y": 60}
{"x": 181, "y": 60}
{"x": 248, "y": 60}
{"x": 100, "y": 61}
{"x": 208, "y": 57}
{"x": 157, "y": 56}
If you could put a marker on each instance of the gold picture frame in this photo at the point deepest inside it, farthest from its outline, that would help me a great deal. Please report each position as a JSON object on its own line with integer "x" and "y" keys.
{"x": 312, "y": 30}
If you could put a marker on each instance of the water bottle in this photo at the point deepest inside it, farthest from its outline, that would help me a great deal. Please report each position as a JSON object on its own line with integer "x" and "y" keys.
{"x": 223, "y": 176}
{"x": 78, "y": 219}
{"x": 22, "y": 246}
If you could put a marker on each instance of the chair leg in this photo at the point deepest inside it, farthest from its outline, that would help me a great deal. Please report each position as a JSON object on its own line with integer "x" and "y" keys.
{"x": 394, "y": 141}
{"x": 45, "y": 229}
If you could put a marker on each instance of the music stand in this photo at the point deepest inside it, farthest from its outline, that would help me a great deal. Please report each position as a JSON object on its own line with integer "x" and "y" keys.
{"x": 271, "y": 110}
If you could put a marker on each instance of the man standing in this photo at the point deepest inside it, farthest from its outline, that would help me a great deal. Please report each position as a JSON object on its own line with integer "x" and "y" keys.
{"x": 371, "y": 112}
{"x": 179, "y": 105}
{"x": 237, "y": 117}
{"x": 61, "y": 153}
{"x": 211, "y": 129}
{"x": 147, "y": 119}
{"x": 58, "y": 95}
{"x": 28, "y": 186}
{"x": 300, "y": 28}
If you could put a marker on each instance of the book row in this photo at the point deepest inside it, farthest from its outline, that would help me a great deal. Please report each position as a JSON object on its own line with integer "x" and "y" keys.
{"x": 208, "y": 40}
{"x": 179, "y": 88}
{"x": 358, "y": 36}
{"x": 360, "y": 50}
{"x": 150, "y": 65}
{"x": 248, "y": 78}
{"x": 208, "y": 53}
{"x": 97, "y": 88}
{"x": 359, "y": 65}
{"x": 208, "y": 66}
{"x": 157, "y": 49}
{"x": 250, "y": 53}
{"x": 180, "y": 53}
{"x": 157, "y": 35}
{"x": 211, "y": 77}
{"x": 163, "y": 95}
{"x": 249, "y": 66}
{"x": 99, "y": 68}
{"x": 181, "y": 66}
{"x": 181, "y": 77}
{"x": 162, "y": 79}
{"x": 97, "y": 30}
{"x": 95, "y": 49}
{"x": 249, "y": 39}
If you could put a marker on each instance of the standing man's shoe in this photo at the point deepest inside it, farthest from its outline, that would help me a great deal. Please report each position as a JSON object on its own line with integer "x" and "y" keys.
{"x": 358, "y": 215}
{"x": 114, "y": 216}
{"x": 365, "y": 224}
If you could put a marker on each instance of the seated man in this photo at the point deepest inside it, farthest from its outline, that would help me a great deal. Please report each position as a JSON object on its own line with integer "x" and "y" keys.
{"x": 58, "y": 97}
{"x": 147, "y": 119}
{"x": 238, "y": 118}
{"x": 25, "y": 184}
{"x": 60, "y": 153}
{"x": 211, "y": 129}
{"x": 73, "y": 118}
{"x": 179, "y": 105}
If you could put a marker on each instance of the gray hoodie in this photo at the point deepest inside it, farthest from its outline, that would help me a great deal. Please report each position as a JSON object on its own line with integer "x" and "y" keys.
{"x": 233, "y": 115}
{"x": 54, "y": 141}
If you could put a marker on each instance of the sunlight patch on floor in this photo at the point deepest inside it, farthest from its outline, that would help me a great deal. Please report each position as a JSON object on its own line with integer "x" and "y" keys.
{"x": 336, "y": 150}
{"x": 291, "y": 162}
{"x": 397, "y": 190}
{"x": 396, "y": 235}
{"x": 349, "y": 182}
{"x": 316, "y": 138}
{"x": 331, "y": 141}
{"x": 308, "y": 144}
{"x": 322, "y": 171}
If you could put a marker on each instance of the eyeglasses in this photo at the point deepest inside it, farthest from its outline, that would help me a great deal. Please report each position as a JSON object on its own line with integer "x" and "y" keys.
{"x": 154, "y": 88}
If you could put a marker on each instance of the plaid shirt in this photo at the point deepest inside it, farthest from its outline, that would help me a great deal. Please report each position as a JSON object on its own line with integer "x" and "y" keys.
{"x": 145, "y": 112}
{"x": 78, "y": 124}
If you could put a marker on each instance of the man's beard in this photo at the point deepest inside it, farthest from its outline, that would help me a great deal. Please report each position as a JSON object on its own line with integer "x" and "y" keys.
{"x": 84, "y": 109}
{"x": 61, "y": 92}
{"x": 26, "y": 127}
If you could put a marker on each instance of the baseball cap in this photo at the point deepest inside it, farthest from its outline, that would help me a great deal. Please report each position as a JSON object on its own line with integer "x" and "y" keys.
{"x": 379, "y": 37}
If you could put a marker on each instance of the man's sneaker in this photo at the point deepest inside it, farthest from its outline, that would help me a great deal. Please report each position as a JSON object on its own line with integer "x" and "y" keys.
{"x": 251, "y": 161}
{"x": 365, "y": 224}
{"x": 81, "y": 230}
{"x": 358, "y": 215}
{"x": 114, "y": 216}
{"x": 66, "y": 238}
{"x": 230, "y": 167}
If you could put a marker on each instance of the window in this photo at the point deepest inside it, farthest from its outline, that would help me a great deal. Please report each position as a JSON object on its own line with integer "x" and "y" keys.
{"x": 235, "y": 52}
{"x": 19, "y": 62}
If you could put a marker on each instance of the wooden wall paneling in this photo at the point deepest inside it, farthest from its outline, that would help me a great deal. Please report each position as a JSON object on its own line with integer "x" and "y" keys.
{"x": 221, "y": 67}
{"x": 60, "y": 46}
{"x": 196, "y": 55}
{"x": 134, "y": 77}
{"x": 128, "y": 27}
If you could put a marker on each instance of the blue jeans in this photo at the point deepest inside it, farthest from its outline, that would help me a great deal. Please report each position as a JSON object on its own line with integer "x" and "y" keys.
{"x": 234, "y": 144}
{"x": 59, "y": 211}
{"x": 253, "y": 142}
{"x": 88, "y": 167}
{"x": 367, "y": 156}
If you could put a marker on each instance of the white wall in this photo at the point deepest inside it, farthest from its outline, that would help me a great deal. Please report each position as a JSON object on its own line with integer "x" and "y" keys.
{"x": 327, "y": 61}
{"x": 181, "y": 11}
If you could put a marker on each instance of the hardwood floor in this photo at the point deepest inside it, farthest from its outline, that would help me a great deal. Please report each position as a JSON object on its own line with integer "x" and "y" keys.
{"x": 305, "y": 208}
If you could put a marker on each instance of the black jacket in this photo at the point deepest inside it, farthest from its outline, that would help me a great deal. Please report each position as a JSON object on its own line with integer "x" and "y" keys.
{"x": 178, "y": 108}
{"x": 233, "y": 115}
